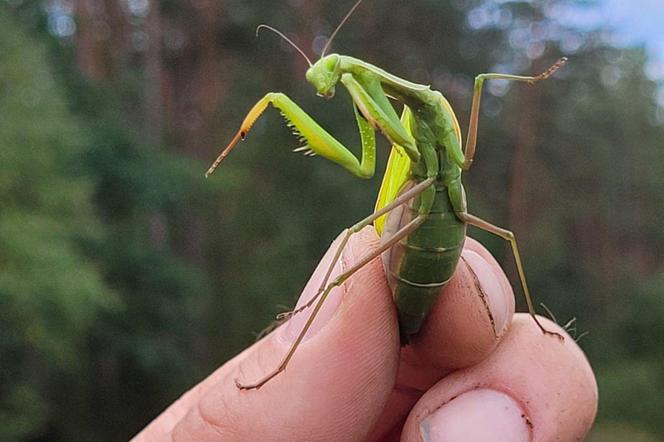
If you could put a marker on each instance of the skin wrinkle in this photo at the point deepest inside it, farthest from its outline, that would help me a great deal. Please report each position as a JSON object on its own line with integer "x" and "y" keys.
{"x": 208, "y": 419}
{"x": 192, "y": 398}
{"x": 474, "y": 246}
{"x": 227, "y": 378}
{"x": 407, "y": 390}
{"x": 179, "y": 409}
{"x": 482, "y": 294}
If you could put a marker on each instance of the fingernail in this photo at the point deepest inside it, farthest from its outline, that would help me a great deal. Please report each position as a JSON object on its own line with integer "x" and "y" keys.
{"x": 477, "y": 416}
{"x": 291, "y": 330}
{"x": 490, "y": 286}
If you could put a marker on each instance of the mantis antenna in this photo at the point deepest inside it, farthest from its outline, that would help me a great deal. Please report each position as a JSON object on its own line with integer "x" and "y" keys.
{"x": 334, "y": 34}
{"x": 281, "y": 34}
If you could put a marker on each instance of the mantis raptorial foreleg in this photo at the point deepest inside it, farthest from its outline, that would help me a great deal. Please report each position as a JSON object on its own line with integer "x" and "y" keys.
{"x": 471, "y": 141}
{"x": 372, "y": 114}
{"x": 509, "y": 236}
{"x": 376, "y": 108}
{"x": 401, "y": 233}
{"x": 317, "y": 139}
{"x": 402, "y": 199}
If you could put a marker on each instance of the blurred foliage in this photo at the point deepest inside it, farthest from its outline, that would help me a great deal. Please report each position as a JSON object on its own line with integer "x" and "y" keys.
{"x": 171, "y": 274}
{"x": 97, "y": 315}
{"x": 50, "y": 291}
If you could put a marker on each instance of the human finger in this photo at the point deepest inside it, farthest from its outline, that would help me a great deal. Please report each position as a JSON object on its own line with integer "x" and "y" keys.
{"x": 335, "y": 385}
{"x": 534, "y": 387}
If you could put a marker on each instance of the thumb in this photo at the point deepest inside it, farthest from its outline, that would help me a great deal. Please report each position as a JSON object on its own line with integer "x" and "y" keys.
{"x": 338, "y": 380}
{"x": 532, "y": 388}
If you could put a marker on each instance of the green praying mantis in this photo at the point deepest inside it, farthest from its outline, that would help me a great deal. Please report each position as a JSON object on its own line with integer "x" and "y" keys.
{"x": 421, "y": 212}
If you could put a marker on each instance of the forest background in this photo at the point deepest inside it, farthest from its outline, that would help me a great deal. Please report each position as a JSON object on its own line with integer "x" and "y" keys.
{"x": 126, "y": 277}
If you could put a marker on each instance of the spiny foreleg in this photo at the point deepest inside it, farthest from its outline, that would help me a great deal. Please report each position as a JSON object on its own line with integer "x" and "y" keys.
{"x": 317, "y": 140}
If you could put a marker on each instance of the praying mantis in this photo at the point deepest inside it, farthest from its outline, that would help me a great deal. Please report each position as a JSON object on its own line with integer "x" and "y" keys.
{"x": 421, "y": 211}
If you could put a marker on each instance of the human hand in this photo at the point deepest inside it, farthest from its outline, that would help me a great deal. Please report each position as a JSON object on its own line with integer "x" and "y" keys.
{"x": 475, "y": 372}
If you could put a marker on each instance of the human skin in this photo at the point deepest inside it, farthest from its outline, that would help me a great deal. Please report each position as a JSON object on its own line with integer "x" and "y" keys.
{"x": 475, "y": 372}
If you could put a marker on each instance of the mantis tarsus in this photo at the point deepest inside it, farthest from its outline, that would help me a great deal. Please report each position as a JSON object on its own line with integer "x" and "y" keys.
{"x": 421, "y": 212}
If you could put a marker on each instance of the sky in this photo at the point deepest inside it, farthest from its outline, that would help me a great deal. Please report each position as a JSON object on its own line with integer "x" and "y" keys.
{"x": 634, "y": 21}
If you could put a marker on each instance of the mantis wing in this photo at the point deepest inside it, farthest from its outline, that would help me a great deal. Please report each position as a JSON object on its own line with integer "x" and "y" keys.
{"x": 396, "y": 173}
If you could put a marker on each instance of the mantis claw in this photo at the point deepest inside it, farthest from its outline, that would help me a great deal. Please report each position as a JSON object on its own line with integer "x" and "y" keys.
{"x": 560, "y": 337}
{"x": 284, "y": 315}
{"x": 552, "y": 70}
{"x": 309, "y": 303}
{"x": 241, "y": 386}
{"x": 239, "y": 136}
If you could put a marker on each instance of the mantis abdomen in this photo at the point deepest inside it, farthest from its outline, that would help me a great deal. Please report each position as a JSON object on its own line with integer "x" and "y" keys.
{"x": 419, "y": 265}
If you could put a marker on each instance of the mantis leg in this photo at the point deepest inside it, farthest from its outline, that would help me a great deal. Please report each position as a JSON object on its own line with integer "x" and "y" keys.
{"x": 471, "y": 141}
{"x": 401, "y": 199}
{"x": 401, "y": 233}
{"x": 317, "y": 139}
{"x": 374, "y": 105}
{"x": 509, "y": 236}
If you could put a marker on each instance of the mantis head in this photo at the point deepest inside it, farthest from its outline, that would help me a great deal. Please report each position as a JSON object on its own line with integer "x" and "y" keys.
{"x": 324, "y": 75}
{"x": 326, "y": 72}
